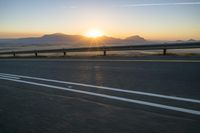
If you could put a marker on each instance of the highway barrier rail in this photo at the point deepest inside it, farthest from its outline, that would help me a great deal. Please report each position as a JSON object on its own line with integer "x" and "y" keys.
{"x": 104, "y": 49}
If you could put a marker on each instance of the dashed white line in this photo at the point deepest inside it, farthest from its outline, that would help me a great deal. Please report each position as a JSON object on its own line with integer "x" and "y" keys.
{"x": 110, "y": 88}
{"x": 189, "y": 111}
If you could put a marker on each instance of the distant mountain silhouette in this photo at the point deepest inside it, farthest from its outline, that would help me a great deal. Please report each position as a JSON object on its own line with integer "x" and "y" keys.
{"x": 191, "y": 40}
{"x": 136, "y": 38}
{"x": 59, "y": 38}
{"x": 56, "y": 38}
{"x": 179, "y": 41}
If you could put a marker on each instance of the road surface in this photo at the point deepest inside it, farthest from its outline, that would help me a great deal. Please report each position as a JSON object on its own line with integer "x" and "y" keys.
{"x": 100, "y": 95}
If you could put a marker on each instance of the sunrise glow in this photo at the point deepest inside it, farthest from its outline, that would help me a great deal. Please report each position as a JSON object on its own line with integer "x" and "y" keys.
{"x": 153, "y": 20}
{"x": 94, "y": 33}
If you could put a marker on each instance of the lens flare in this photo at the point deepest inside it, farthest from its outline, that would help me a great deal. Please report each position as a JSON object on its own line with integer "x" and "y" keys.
{"x": 94, "y": 33}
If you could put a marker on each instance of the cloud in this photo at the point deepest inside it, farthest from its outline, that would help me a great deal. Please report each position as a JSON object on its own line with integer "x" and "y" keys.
{"x": 73, "y": 7}
{"x": 70, "y": 7}
{"x": 160, "y": 4}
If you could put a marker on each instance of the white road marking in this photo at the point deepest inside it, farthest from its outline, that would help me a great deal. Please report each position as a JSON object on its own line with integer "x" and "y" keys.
{"x": 189, "y": 111}
{"x": 12, "y": 77}
{"x": 110, "y": 88}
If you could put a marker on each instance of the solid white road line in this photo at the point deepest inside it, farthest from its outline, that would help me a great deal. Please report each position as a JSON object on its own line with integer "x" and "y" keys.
{"x": 110, "y": 88}
{"x": 12, "y": 77}
{"x": 189, "y": 111}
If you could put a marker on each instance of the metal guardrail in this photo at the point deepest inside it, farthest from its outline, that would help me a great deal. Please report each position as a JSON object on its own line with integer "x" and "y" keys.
{"x": 163, "y": 46}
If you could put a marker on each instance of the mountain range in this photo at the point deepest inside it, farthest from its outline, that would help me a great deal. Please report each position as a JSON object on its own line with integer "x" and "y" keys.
{"x": 59, "y": 40}
{"x": 64, "y": 39}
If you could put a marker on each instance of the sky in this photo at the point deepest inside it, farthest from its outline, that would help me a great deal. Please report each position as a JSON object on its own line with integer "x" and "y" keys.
{"x": 151, "y": 19}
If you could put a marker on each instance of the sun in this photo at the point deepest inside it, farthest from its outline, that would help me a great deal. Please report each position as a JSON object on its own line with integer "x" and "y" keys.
{"x": 94, "y": 33}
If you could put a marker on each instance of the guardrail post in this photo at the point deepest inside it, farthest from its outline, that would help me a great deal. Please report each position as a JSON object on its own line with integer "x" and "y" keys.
{"x": 104, "y": 53}
{"x": 164, "y": 51}
{"x": 14, "y": 54}
{"x": 64, "y": 53}
{"x": 36, "y": 54}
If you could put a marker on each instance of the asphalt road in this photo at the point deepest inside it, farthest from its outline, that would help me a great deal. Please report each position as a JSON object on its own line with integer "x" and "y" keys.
{"x": 156, "y": 94}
